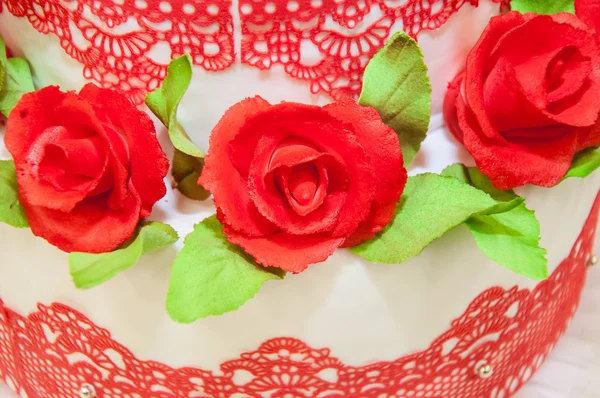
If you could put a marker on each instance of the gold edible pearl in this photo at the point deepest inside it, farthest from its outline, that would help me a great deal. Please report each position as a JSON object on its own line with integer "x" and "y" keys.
{"x": 484, "y": 370}
{"x": 87, "y": 391}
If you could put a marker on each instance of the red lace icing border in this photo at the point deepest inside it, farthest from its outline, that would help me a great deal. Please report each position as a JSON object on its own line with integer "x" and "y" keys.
{"x": 114, "y": 40}
{"x": 54, "y": 351}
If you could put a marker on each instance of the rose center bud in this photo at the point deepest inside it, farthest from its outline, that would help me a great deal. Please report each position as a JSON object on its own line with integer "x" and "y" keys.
{"x": 303, "y": 183}
{"x": 68, "y": 164}
{"x": 566, "y": 74}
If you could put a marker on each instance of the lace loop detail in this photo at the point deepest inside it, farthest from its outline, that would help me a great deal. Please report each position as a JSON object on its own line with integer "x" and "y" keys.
{"x": 115, "y": 40}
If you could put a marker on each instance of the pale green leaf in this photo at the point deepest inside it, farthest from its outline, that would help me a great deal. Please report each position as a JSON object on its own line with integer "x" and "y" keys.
{"x": 396, "y": 84}
{"x": 164, "y": 101}
{"x": 212, "y": 276}
{"x": 89, "y": 269}
{"x": 430, "y": 206}
{"x": 510, "y": 238}
{"x": 543, "y": 6}
{"x": 17, "y": 80}
{"x": 11, "y": 211}
{"x": 584, "y": 163}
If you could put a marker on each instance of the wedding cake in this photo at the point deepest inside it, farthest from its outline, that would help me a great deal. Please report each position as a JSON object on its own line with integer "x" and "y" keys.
{"x": 398, "y": 188}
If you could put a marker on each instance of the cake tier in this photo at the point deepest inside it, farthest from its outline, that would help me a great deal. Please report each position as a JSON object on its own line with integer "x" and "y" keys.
{"x": 489, "y": 352}
{"x": 361, "y": 313}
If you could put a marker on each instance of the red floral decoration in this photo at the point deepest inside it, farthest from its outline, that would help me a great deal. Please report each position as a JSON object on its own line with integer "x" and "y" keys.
{"x": 293, "y": 182}
{"x": 82, "y": 187}
{"x": 529, "y": 98}
{"x": 589, "y": 12}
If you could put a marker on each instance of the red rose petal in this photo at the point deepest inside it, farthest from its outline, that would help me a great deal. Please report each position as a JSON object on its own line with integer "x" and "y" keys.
{"x": 332, "y": 136}
{"x": 292, "y": 253}
{"x": 43, "y": 184}
{"x": 380, "y": 216}
{"x": 531, "y": 57}
{"x": 33, "y": 114}
{"x": 476, "y": 64}
{"x": 275, "y": 204}
{"x": 520, "y": 156}
{"x": 148, "y": 165}
{"x": 33, "y": 117}
{"x": 449, "y": 108}
{"x": 79, "y": 158}
{"x": 589, "y": 12}
{"x": 305, "y": 186}
{"x": 222, "y": 179}
{"x": 567, "y": 73}
{"x": 82, "y": 115}
{"x": 525, "y": 161}
{"x": 507, "y": 104}
{"x": 588, "y": 137}
{"x": 90, "y": 227}
{"x": 383, "y": 146}
{"x": 292, "y": 151}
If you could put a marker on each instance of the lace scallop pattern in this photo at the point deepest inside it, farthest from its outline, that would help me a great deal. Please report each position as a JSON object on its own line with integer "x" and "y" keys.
{"x": 53, "y": 352}
{"x": 326, "y": 43}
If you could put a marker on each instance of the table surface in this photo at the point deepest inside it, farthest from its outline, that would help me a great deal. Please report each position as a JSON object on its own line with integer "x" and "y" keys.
{"x": 573, "y": 369}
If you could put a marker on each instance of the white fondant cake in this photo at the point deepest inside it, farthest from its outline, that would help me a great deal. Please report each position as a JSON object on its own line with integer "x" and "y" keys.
{"x": 362, "y": 312}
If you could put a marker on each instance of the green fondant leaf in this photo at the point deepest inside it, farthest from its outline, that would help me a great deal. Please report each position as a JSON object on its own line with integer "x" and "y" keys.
{"x": 89, "y": 269}
{"x": 212, "y": 276}
{"x": 17, "y": 80}
{"x": 11, "y": 211}
{"x": 510, "y": 238}
{"x": 584, "y": 163}
{"x": 543, "y": 6}
{"x": 397, "y": 85}
{"x": 2, "y": 69}
{"x": 163, "y": 102}
{"x": 430, "y": 206}
{"x": 186, "y": 171}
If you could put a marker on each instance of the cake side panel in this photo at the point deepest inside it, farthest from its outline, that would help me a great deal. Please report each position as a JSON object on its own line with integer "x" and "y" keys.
{"x": 491, "y": 350}
{"x": 362, "y": 311}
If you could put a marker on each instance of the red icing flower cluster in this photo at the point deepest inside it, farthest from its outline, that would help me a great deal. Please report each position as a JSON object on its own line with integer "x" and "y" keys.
{"x": 89, "y": 166}
{"x": 293, "y": 182}
{"x": 529, "y": 98}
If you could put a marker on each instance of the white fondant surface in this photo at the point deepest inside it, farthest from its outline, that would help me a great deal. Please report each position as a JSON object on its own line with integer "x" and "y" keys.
{"x": 361, "y": 311}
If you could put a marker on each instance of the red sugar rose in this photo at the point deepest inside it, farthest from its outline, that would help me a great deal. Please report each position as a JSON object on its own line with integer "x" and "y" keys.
{"x": 529, "y": 99}
{"x": 293, "y": 182}
{"x": 89, "y": 166}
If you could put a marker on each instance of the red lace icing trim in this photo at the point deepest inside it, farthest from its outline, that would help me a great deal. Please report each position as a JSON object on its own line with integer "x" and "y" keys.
{"x": 114, "y": 40}
{"x": 54, "y": 351}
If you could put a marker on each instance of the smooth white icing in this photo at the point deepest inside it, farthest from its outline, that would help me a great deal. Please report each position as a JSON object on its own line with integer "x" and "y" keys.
{"x": 361, "y": 311}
